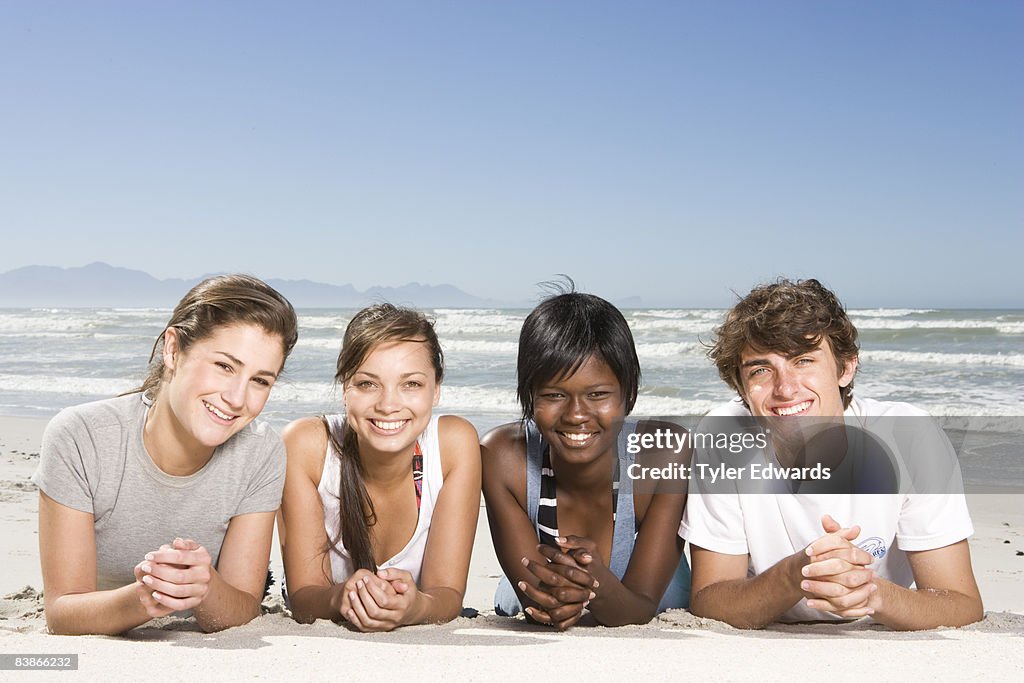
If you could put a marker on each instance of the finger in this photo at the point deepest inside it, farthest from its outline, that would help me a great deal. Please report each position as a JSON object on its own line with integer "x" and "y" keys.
{"x": 556, "y": 556}
{"x": 566, "y": 623}
{"x": 827, "y": 543}
{"x": 538, "y": 596}
{"x": 565, "y": 612}
{"x": 184, "y": 544}
{"x": 829, "y": 524}
{"x": 176, "y": 556}
{"x": 558, "y": 575}
{"x": 851, "y": 533}
{"x": 362, "y": 618}
{"x": 370, "y": 605}
{"x": 175, "y": 604}
{"x": 832, "y": 567}
{"x": 844, "y": 601}
{"x": 174, "y": 590}
{"x": 538, "y": 615}
{"x": 393, "y": 574}
{"x": 851, "y": 554}
{"x": 568, "y": 575}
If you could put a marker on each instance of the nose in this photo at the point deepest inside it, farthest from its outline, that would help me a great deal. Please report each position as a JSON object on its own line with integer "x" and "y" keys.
{"x": 387, "y": 400}
{"x": 785, "y": 382}
{"x": 575, "y": 411}
{"x": 234, "y": 394}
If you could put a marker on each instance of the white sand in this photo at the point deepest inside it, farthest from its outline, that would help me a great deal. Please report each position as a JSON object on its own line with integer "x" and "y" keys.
{"x": 488, "y": 647}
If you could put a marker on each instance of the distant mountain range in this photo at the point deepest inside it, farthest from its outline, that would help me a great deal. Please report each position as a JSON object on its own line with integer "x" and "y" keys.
{"x": 103, "y": 285}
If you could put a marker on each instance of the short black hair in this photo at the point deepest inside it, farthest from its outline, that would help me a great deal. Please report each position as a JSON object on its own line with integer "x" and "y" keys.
{"x": 562, "y": 332}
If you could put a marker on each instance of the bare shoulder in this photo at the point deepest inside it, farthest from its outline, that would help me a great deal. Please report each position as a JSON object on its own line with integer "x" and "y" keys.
{"x": 305, "y": 440}
{"x": 456, "y": 431}
{"x": 503, "y": 455}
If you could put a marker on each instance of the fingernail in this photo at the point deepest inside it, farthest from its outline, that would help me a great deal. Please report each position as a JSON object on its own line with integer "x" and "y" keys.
{"x": 592, "y": 596}
{"x": 352, "y": 595}
{"x": 596, "y": 583}
{"x": 147, "y": 579}
{"x": 873, "y": 588}
{"x": 587, "y": 603}
{"x": 525, "y": 562}
{"x": 146, "y": 567}
{"x": 809, "y": 551}
{"x": 156, "y": 596}
{"x": 359, "y": 583}
{"x": 806, "y": 571}
{"x": 561, "y": 539}
{"x": 806, "y": 585}
{"x": 149, "y": 556}
{"x": 587, "y": 556}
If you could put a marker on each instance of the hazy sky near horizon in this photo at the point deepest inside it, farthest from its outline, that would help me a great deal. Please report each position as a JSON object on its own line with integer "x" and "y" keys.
{"x": 668, "y": 150}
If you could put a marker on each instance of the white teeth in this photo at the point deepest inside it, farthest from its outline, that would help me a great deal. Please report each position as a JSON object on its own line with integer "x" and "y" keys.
{"x": 576, "y": 436}
{"x": 387, "y": 426}
{"x": 793, "y": 410}
{"x": 213, "y": 409}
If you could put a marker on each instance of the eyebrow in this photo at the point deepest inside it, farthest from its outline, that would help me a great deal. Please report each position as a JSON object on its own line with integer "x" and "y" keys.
{"x": 404, "y": 375}
{"x": 238, "y": 361}
{"x": 754, "y": 361}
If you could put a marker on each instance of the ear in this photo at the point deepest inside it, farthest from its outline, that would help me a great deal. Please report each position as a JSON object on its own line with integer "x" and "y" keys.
{"x": 848, "y": 372}
{"x": 170, "y": 348}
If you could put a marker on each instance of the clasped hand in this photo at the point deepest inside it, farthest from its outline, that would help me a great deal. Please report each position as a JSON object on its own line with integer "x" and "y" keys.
{"x": 375, "y": 602}
{"x": 176, "y": 577}
{"x": 837, "y": 578}
{"x": 563, "y": 586}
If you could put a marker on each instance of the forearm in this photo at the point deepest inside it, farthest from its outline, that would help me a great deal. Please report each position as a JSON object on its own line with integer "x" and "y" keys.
{"x": 109, "y": 612}
{"x": 905, "y": 609}
{"x": 615, "y": 604}
{"x": 312, "y": 602}
{"x": 753, "y": 602}
{"x": 434, "y": 606}
{"x": 225, "y": 606}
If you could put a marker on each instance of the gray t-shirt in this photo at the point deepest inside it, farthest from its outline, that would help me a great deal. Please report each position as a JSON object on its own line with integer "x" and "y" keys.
{"x": 93, "y": 459}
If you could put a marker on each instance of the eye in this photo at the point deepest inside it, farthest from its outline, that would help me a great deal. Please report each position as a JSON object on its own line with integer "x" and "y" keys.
{"x": 551, "y": 395}
{"x": 600, "y": 394}
{"x": 262, "y": 381}
{"x": 757, "y": 371}
{"x": 365, "y": 385}
{"x": 414, "y": 384}
{"x": 805, "y": 360}
{"x": 224, "y": 366}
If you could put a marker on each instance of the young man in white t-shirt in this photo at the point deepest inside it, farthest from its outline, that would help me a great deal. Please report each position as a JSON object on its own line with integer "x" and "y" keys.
{"x": 790, "y": 351}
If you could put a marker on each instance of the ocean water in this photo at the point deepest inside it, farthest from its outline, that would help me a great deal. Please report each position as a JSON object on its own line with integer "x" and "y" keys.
{"x": 950, "y": 362}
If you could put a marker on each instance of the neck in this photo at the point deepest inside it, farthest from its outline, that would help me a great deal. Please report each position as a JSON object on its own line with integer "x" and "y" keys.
{"x": 594, "y": 476}
{"x": 384, "y": 468}
{"x": 168, "y": 446}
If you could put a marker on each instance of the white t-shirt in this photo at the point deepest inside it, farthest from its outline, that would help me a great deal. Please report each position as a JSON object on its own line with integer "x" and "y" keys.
{"x": 770, "y": 527}
{"x": 409, "y": 558}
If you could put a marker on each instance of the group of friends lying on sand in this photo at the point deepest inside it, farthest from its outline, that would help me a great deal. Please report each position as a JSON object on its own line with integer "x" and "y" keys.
{"x": 164, "y": 500}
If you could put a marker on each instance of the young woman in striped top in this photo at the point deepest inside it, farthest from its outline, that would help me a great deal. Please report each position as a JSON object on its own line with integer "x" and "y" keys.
{"x": 568, "y": 529}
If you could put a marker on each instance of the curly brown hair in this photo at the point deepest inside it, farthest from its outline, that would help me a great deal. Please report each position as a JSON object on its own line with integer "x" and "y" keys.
{"x": 789, "y": 317}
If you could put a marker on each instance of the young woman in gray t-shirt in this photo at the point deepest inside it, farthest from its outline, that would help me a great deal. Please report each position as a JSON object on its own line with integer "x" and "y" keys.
{"x": 163, "y": 500}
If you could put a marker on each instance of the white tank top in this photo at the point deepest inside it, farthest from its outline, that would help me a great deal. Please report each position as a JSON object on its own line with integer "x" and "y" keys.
{"x": 409, "y": 558}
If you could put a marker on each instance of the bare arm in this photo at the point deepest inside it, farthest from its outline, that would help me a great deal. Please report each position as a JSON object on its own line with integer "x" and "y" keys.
{"x": 721, "y": 589}
{"x": 947, "y": 593}
{"x": 301, "y": 526}
{"x": 453, "y": 526}
{"x": 503, "y": 454}
{"x": 67, "y": 550}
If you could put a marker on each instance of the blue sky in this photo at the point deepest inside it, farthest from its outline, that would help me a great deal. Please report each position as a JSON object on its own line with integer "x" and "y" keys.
{"x": 669, "y": 150}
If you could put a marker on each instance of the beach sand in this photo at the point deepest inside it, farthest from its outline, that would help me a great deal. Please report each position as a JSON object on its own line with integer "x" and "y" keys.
{"x": 487, "y": 647}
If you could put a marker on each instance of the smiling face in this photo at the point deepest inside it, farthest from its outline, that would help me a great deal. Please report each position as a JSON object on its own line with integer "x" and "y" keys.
{"x": 390, "y": 397}
{"x": 774, "y": 385}
{"x": 217, "y": 386}
{"x": 581, "y": 415}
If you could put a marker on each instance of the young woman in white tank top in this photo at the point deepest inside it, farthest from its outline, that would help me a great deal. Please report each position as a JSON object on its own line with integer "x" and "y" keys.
{"x": 380, "y": 503}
